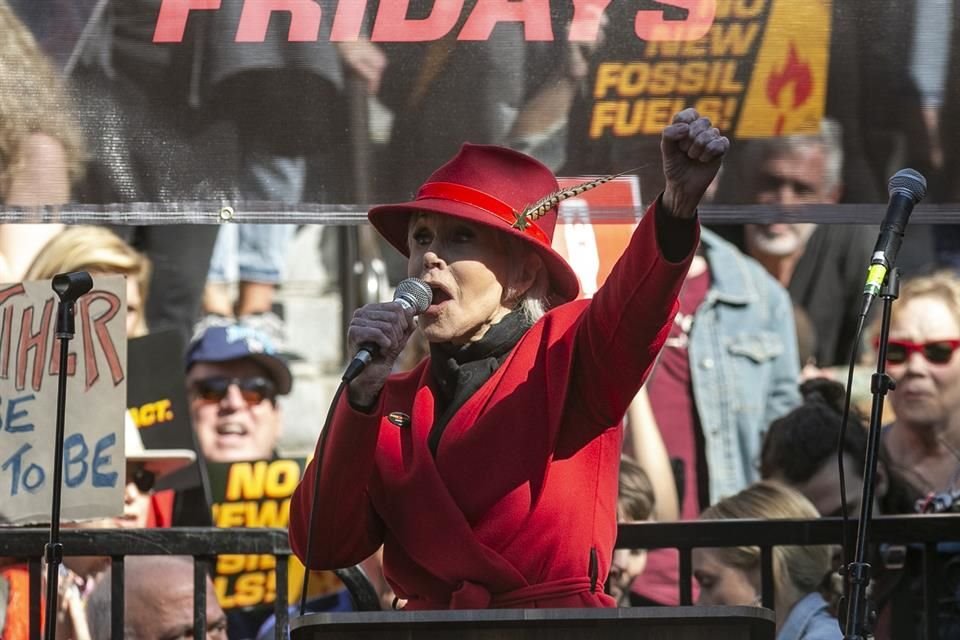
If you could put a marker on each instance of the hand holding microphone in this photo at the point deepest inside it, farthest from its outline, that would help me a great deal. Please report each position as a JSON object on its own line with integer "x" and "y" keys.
{"x": 378, "y": 333}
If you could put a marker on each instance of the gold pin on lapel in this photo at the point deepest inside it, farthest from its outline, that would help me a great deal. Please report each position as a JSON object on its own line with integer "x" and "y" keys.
{"x": 399, "y": 418}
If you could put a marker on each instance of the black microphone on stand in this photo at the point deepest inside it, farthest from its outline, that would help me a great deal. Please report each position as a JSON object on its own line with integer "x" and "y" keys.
{"x": 68, "y": 287}
{"x": 412, "y": 293}
{"x": 907, "y": 187}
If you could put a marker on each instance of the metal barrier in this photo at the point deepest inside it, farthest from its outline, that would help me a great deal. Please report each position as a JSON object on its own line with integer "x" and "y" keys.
{"x": 204, "y": 544}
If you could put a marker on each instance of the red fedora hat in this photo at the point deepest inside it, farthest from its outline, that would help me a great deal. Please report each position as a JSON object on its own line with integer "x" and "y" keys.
{"x": 492, "y": 186}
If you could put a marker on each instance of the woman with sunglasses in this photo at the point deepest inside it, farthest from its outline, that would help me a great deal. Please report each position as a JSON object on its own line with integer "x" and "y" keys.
{"x": 489, "y": 472}
{"x": 924, "y": 440}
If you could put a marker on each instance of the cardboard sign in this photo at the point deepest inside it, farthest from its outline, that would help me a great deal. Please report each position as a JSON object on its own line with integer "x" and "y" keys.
{"x": 592, "y": 233}
{"x": 157, "y": 400}
{"x": 760, "y": 70}
{"x": 257, "y": 494}
{"x": 93, "y": 454}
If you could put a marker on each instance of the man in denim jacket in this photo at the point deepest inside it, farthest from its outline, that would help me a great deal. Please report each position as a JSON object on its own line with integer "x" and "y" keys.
{"x": 729, "y": 368}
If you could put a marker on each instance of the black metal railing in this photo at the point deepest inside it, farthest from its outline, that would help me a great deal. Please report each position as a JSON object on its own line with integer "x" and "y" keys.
{"x": 204, "y": 544}
{"x": 923, "y": 531}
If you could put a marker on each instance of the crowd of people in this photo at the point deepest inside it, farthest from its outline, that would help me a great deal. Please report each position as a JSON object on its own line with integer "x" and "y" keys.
{"x": 501, "y": 405}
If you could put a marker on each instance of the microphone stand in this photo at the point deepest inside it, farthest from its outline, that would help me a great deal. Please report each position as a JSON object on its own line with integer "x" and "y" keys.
{"x": 858, "y": 571}
{"x": 68, "y": 288}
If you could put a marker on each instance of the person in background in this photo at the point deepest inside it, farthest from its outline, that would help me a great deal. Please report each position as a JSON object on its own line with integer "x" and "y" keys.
{"x": 100, "y": 252}
{"x": 924, "y": 439}
{"x": 730, "y": 576}
{"x": 800, "y": 451}
{"x": 158, "y": 599}
{"x": 234, "y": 377}
{"x": 41, "y": 148}
{"x": 822, "y": 266}
{"x": 635, "y": 503}
{"x": 728, "y": 368}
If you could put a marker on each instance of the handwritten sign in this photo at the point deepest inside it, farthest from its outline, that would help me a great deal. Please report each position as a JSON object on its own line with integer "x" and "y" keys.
{"x": 93, "y": 458}
{"x": 257, "y": 494}
{"x": 760, "y": 70}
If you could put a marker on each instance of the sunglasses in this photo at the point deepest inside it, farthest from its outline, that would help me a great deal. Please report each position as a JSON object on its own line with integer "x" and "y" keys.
{"x": 145, "y": 480}
{"x": 253, "y": 390}
{"x": 936, "y": 352}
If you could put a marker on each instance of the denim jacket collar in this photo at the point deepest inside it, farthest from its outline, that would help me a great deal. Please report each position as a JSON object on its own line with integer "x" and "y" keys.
{"x": 729, "y": 283}
{"x": 809, "y": 618}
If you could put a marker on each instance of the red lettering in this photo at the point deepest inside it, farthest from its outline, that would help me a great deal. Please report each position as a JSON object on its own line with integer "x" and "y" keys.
{"x": 5, "y": 343}
{"x": 652, "y": 24}
{"x": 55, "y": 361}
{"x": 534, "y": 14}
{"x": 255, "y": 18}
{"x": 392, "y": 25}
{"x": 103, "y": 337}
{"x": 172, "y": 19}
{"x": 36, "y": 342}
{"x": 585, "y": 26}
{"x": 347, "y": 20}
{"x": 6, "y": 334}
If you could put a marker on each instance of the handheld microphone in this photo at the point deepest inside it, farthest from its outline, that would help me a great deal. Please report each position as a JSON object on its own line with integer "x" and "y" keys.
{"x": 412, "y": 293}
{"x": 907, "y": 187}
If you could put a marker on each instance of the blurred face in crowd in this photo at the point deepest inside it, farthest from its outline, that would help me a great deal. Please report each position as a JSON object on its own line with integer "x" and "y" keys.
{"x": 136, "y": 511}
{"x": 234, "y": 411}
{"x": 468, "y": 266}
{"x": 823, "y": 487}
{"x": 794, "y": 178}
{"x": 928, "y": 379}
{"x": 626, "y": 566}
{"x": 163, "y": 608}
{"x": 721, "y": 584}
{"x": 134, "y": 306}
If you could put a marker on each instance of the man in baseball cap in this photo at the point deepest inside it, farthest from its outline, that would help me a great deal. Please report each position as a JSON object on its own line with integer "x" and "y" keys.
{"x": 234, "y": 375}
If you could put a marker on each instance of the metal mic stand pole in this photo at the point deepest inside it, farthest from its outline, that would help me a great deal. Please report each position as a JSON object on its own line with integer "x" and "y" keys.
{"x": 68, "y": 288}
{"x": 858, "y": 571}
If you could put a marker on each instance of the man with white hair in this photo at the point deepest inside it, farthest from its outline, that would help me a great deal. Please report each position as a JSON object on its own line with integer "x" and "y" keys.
{"x": 823, "y": 267}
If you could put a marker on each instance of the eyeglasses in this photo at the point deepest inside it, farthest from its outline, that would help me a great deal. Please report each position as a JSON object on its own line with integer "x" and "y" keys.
{"x": 935, "y": 352}
{"x": 145, "y": 480}
{"x": 253, "y": 390}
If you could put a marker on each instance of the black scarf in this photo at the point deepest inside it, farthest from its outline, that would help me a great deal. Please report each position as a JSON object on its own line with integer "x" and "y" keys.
{"x": 459, "y": 370}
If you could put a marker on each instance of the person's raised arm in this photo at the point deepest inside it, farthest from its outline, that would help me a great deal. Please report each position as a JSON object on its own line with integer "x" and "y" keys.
{"x": 628, "y": 318}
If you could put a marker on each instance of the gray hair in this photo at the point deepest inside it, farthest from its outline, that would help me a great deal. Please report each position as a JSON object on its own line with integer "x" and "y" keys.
{"x": 536, "y": 300}
{"x": 830, "y": 137}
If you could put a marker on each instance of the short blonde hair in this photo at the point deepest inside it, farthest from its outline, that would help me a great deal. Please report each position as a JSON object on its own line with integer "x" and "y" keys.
{"x": 942, "y": 285}
{"x": 93, "y": 249}
{"x": 803, "y": 566}
{"x": 32, "y": 100}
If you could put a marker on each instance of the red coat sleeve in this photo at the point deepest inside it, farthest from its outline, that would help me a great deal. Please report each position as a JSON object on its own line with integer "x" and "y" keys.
{"x": 628, "y": 319}
{"x": 347, "y": 529}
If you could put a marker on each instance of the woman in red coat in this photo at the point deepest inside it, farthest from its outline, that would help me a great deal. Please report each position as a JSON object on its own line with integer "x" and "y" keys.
{"x": 489, "y": 472}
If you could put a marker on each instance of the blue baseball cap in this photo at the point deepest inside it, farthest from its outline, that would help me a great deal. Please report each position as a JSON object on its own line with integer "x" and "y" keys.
{"x": 221, "y": 343}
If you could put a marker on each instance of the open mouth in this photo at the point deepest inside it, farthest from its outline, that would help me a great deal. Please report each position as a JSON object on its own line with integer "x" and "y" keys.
{"x": 440, "y": 295}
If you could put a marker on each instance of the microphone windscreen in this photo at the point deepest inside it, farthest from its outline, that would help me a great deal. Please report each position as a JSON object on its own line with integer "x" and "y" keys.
{"x": 909, "y": 183}
{"x": 414, "y": 292}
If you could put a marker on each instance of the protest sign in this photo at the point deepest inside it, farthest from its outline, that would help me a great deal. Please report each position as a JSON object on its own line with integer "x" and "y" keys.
{"x": 594, "y": 228}
{"x": 257, "y": 494}
{"x": 760, "y": 70}
{"x": 157, "y": 400}
{"x": 93, "y": 455}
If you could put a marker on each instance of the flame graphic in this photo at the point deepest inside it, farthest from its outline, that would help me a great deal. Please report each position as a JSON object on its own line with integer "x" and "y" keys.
{"x": 794, "y": 72}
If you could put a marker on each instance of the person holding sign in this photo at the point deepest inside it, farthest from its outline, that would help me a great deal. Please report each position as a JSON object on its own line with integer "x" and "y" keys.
{"x": 489, "y": 472}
